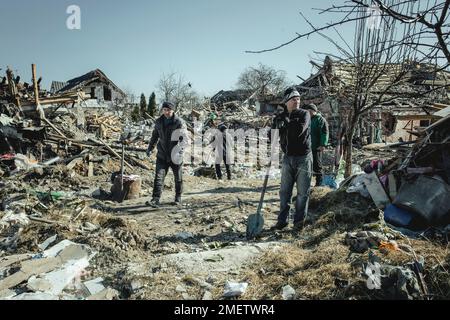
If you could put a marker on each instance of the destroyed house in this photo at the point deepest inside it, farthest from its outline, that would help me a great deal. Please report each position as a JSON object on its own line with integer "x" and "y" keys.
{"x": 269, "y": 104}
{"x": 223, "y": 97}
{"x": 332, "y": 89}
{"x": 100, "y": 90}
{"x": 231, "y": 100}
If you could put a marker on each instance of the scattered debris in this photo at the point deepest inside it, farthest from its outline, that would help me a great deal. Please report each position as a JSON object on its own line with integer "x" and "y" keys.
{"x": 62, "y": 236}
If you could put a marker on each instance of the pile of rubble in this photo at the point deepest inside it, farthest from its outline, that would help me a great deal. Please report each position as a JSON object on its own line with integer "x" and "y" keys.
{"x": 66, "y": 234}
{"x": 52, "y": 274}
{"x": 413, "y": 186}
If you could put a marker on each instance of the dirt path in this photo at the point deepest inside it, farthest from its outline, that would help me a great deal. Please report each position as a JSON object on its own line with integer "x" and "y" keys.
{"x": 204, "y": 238}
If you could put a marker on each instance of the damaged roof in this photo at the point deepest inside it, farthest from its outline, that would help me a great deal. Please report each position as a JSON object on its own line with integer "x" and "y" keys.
{"x": 86, "y": 79}
{"x": 344, "y": 74}
{"x": 421, "y": 85}
{"x": 231, "y": 95}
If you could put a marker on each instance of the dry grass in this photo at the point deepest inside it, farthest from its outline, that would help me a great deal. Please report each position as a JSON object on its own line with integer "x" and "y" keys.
{"x": 321, "y": 266}
{"x": 312, "y": 273}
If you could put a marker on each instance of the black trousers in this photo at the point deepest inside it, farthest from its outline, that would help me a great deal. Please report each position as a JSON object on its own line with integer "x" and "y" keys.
{"x": 227, "y": 168}
{"x": 162, "y": 168}
{"x": 317, "y": 166}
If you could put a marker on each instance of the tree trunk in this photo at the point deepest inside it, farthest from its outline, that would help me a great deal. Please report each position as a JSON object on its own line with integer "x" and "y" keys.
{"x": 353, "y": 122}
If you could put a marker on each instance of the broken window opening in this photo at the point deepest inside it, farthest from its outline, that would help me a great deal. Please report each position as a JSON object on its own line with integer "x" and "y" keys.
{"x": 107, "y": 94}
{"x": 424, "y": 123}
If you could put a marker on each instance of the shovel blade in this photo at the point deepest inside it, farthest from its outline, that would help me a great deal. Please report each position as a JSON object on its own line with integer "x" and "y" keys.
{"x": 255, "y": 224}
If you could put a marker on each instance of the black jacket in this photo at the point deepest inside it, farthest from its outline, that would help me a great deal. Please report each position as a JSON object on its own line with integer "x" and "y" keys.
{"x": 295, "y": 132}
{"x": 225, "y": 136}
{"x": 162, "y": 134}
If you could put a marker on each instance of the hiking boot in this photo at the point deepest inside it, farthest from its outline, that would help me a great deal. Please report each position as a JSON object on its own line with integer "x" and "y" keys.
{"x": 154, "y": 203}
{"x": 177, "y": 200}
{"x": 279, "y": 226}
{"x": 298, "y": 226}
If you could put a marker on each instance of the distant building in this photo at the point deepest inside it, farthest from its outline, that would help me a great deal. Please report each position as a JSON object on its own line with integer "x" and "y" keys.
{"x": 102, "y": 92}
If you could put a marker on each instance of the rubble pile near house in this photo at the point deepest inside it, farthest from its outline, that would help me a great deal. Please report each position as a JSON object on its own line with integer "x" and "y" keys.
{"x": 413, "y": 187}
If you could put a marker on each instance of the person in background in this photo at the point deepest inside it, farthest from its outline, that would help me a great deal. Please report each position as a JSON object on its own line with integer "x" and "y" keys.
{"x": 319, "y": 140}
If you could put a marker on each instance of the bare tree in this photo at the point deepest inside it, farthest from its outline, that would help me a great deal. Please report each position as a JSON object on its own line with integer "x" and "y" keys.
{"x": 377, "y": 67}
{"x": 263, "y": 78}
{"x": 129, "y": 102}
{"x": 427, "y": 20}
{"x": 173, "y": 87}
{"x": 389, "y": 37}
{"x": 130, "y": 96}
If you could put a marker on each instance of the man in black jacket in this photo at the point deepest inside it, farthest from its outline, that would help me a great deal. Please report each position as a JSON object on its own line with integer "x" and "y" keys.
{"x": 170, "y": 136}
{"x": 295, "y": 140}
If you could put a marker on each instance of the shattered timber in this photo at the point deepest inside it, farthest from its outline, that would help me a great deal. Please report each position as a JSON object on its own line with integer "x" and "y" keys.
{"x": 67, "y": 233}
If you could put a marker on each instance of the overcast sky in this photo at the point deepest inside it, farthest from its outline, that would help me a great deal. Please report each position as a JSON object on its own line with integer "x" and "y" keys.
{"x": 135, "y": 41}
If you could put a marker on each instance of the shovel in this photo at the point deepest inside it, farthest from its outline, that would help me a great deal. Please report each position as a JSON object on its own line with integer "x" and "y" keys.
{"x": 255, "y": 221}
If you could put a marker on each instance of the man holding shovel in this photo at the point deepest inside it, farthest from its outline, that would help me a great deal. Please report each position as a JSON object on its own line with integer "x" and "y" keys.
{"x": 170, "y": 137}
{"x": 295, "y": 140}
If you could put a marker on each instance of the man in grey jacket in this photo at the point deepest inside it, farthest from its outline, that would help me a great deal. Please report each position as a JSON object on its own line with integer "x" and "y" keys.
{"x": 170, "y": 137}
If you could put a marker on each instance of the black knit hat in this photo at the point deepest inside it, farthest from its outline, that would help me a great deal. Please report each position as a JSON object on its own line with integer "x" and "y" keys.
{"x": 168, "y": 105}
